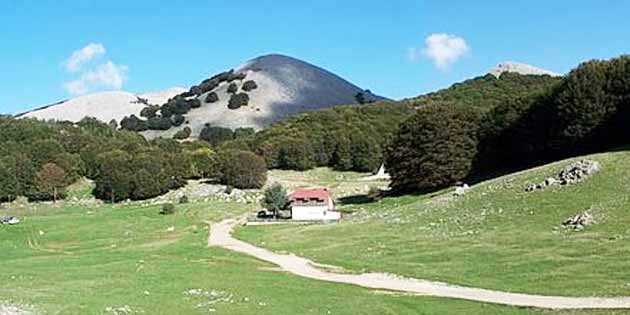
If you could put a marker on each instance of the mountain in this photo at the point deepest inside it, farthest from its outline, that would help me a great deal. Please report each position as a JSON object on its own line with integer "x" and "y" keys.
{"x": 275, "y": 87}
{"x": 104, "y": 106}
{"x": 520, "y": 68}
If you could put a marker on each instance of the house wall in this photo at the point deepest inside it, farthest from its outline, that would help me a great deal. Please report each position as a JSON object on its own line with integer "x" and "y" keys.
{"x": 309, "y": 212}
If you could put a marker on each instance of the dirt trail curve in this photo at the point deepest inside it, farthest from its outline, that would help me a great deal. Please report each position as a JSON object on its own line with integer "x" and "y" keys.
{"x": 221, "y": 236}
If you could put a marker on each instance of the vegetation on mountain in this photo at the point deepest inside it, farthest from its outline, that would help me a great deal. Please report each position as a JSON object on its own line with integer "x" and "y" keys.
{"x": 182, "y": 134}
{"x": 237, "y": 100}
{"x": 232, "y": 88}
{"x": 343, "y": 137}
{"x": 212, "y": 97}
{"x": 586, "y": 111}
{"x": 249, "y": 86}
{"x": 275, "y": 199}
{"x": 242, "y": 169}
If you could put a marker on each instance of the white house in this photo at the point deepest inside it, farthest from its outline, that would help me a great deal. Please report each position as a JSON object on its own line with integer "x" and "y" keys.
{"x": 313, "y": 205}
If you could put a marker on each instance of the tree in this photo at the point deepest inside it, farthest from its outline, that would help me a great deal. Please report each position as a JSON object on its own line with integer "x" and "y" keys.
{"x": 232, "y": 88}
{"x": 212, "y": 97}
{"x": 133, "y": 123}
{"x": 275, "y": 199}
{"x": 243, "y": 169}
{"x": 203, "y": 163}
{"x": 182, "y": 134}
{"x": 249, "y": 85}
{"x": 237, "y": 100}
{"x": 360, "y": 98}
{"x": 433, "y": 149}
{"x": 216, "y": 135}
{"x": 51, "y": 179}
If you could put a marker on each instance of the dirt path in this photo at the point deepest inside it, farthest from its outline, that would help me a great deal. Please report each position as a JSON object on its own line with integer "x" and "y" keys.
{"x": 221, "y": 236}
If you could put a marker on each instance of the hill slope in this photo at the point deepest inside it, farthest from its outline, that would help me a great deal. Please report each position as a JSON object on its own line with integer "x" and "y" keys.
{"x": 284, "y": 86}
{"x": 496, "y": 236}
{"x": 104, "y": 106}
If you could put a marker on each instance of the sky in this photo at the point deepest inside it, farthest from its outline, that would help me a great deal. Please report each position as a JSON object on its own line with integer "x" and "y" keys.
{"x": 54, "y": 50}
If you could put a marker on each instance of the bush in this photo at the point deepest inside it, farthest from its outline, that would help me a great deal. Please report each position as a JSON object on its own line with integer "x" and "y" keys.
{"x": 433, "y": 149}
{"x": 167, "y": 208}
{"x": 149, "y": 111}
{"x": 178, "y": 120}
{"x": 212, "y": 97}
{"x": 183, "y": 199}
{"x": 238, "y": 100}
{"x": 243, "y": 169}
{"x": 236, "y": 76}
{"x": 232, "y": 88}
{"x": 133, "y": 123}
{"x": 159, "y": 123}
{"x": 216, "y": 135}
{"x": 183, "y": 134}
{"x": 249, "y": 86}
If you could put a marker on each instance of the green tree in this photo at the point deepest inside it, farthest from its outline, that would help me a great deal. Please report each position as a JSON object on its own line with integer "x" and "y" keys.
{"x": 275, "y": 199}
{"x": 433, "y": 149}
{"x": 51, "y": 179}
{"x": 243, "y": 169}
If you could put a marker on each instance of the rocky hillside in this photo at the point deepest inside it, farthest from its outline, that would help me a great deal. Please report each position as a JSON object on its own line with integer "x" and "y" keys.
{"x": 520, "y": 68}
{"x": 104, "y": 106}
{"x": 262, "y": 91}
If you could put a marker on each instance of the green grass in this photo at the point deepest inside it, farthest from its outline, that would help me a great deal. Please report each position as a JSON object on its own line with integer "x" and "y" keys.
{"x": 497, "y": 236}
{"x": 90, "y": 258}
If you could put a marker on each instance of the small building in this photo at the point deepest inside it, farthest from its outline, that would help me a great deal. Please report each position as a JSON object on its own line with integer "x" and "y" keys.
{"x": 313, "y": 204}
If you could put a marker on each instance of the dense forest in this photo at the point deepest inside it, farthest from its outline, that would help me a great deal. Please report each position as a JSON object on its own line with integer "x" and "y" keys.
{"x": 487, "y": 92}
{"x": 586, "y": 111}
{"x": 40, "y": 159}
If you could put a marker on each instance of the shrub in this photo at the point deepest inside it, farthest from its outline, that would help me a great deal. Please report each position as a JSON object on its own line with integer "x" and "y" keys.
{"x": 216, "y": 135}
{"x": 433, "y": 149}
{"x": 159, "y": 123}
{"x": 183, "y": 199}
{"x": 249, "y": 86}
{"x": 149, "y": 111}
{"x": 183, "y": 134}
{"x": 212, "y": 97}
{"x": 236, "y": 76}
{"x": 232, "y": 88}
{"x": 194, "y": 103}
{"x": 167, "y": 208}
{"x": 133, "y": 123}
{"x": 241, "y": 133}
{"x": 243, "y": 169}
{"x": 178, "y": 120}
{"x": 238, "y": 100}
{"x": 360, "y": 98}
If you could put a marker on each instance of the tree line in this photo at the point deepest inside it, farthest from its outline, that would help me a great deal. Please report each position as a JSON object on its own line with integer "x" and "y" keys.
{"x": 586, "y": 111}
{"x": 39, "y": 160}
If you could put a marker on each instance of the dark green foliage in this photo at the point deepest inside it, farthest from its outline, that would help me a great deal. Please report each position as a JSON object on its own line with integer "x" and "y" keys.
{"x": 133, "y": 123}
{"x": 177, "y": 120}
{"x": 360, "y": 98}
{"x": 203, "y": 163}
{"x": 159, "y": 123}
{"x": 244, "y": 133}
{"x": 232, "y": 88}
{"x": 216, "y": 135}
{"x": 275, "y": 199}
{"x": 487, "y": 91}
{"x": 238, "y": 100}
{"x": 433, "y": 149}
{"x": 167, "y": 209}
{"x": 212, "y": 97}
{"x": 183, "y": 134}
{"x": 243, "y": 169}
{"x": 177, "y": 105}
{"x": 183, "y": 199}
{"x": 194, "y": 103}
{"x": 236, "y": 76}
{"x": 249, "y": 86}
{"x": 149, "y": 111}
{"x": 322, "y": 138}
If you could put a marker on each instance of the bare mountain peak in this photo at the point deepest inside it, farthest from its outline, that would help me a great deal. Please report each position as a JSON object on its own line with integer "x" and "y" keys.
{"x": 521, "y": 68}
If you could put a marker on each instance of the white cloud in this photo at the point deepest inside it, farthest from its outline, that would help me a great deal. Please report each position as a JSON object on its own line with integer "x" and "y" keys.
{"x": 83, "y": 55}
{"x": 105, "y": 76}
{"x": 443, "y": 49}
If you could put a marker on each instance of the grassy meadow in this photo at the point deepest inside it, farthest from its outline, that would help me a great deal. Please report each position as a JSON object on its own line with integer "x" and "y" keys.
{"x": 86, "y": 257}
{"x": 497, "y": 236}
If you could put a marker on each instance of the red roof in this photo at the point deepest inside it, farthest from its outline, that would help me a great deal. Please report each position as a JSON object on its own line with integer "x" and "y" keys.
{"x": 321, "y": 194}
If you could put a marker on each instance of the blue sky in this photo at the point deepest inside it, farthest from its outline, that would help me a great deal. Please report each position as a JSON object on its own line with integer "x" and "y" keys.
{"x": 154, "y": 45}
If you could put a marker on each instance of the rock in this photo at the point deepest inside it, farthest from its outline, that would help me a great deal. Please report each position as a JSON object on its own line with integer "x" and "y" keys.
{"x": 579, "y": 221}
{"x": 571, "y": 174}
{"x": 461, "y": 190}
